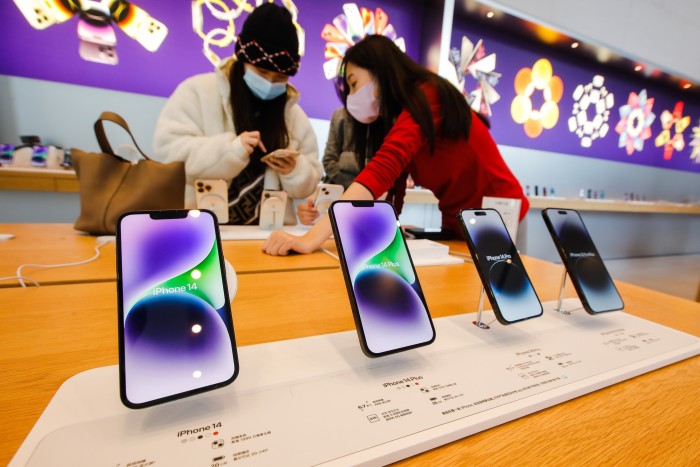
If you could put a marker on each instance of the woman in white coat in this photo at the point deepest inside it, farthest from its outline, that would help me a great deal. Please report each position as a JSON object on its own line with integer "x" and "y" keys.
{"x": 221, "y": 124}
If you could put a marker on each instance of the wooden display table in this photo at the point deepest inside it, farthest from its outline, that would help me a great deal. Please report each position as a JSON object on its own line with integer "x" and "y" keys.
{"x": 52, "y": 333}
{"x": 59, "y": 243}
{"x": 27, "y": 179}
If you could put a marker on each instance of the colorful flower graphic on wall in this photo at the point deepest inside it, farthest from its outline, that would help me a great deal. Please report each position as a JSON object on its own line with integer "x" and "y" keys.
{"x": 472, "y": 60}
{"x": 679, "y": 123}
{"x": 225, "y": 34}
{"x": 539, "y": 78}
{"x": 592, "y": 96}
{"x": 350, "y": 27}
{"x": 635, "y": 119}
{"x": 98, "y": 40}
{"x": 695, "y": 144}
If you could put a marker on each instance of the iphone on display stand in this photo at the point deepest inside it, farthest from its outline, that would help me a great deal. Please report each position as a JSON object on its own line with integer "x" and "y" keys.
{"x": 176, "y": 334}
{"x": 39, "y": 155}
{"x": 582, "y": 261}
{"x": 326, "y": 194}
{"x": 212, "y": 194}
{"x": 502, "y": 273}
{"x": 387, "y": 301}
{"x": 273, "y": 206}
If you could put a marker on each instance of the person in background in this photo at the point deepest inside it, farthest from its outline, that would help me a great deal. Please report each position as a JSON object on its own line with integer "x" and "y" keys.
{"x": 340, "y": 161}
{"x": 427, "y": 129}
{"x": 221, "y": 124}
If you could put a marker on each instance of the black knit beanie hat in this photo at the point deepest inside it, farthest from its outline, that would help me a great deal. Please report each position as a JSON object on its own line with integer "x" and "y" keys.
{"x": 269, "y": 40}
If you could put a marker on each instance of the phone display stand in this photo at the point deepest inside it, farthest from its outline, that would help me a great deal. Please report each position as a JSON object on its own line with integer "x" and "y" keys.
{"x": 560, "y": 300}
{"x": 319, "y": 400}
{"x": 272, "y": 213}
{"x": 478, "y": 323}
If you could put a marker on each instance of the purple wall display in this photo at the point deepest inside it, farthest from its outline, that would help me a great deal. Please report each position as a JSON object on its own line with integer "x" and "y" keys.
{"x": 54, "y": 53}
{"x": 601, "y": 112}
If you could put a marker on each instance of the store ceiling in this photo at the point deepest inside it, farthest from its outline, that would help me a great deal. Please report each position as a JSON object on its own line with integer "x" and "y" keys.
{"x": 486, "y": 15}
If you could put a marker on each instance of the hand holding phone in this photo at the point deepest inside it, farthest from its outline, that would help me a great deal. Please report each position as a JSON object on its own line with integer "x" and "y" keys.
{"x": 500, "y": 268}
{"x": 307, "y": 212}
{"x": 175, "y": 328}
{"x": 280, "y": 153}
{"x": 386, "y": 298}
{"x": 582, "y": 261}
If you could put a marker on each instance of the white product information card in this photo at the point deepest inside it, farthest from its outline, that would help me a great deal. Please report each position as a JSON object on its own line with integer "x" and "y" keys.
{"x": 320, "y": 400}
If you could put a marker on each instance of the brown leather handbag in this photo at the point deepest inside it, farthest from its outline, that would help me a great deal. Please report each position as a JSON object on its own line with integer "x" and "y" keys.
{"x": 111, "y": 185}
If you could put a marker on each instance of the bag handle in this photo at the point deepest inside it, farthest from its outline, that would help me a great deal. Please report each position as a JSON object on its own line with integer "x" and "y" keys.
{"x": 102, "y": 136}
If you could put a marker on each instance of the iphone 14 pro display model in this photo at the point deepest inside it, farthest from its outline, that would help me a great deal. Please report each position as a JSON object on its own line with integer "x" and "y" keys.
{"x": 505, "y": 280}
{"x": 176, "y": 334}
{"x": 582, "y": 261}
{"x": 386, "y": 298}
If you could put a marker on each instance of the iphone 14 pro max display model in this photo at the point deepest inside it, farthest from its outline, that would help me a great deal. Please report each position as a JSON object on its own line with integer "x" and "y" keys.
{"x": 505, "y": 280}
{"x": 582, "y": 261}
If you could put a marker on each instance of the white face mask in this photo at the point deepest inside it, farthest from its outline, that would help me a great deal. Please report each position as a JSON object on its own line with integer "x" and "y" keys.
{"x": 263, "y": 88}
{"x": 363, "y": 105}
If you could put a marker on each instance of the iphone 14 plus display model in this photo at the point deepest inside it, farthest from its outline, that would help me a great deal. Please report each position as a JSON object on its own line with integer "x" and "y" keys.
{"x": 500, "y": 268}
{"x": 386, "y": 298}
{"x": 176, "y": 334}
{"x": 582, "y": 261}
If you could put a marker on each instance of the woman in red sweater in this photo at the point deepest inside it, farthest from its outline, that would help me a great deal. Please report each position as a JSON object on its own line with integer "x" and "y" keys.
{"x": 416, "y": 123}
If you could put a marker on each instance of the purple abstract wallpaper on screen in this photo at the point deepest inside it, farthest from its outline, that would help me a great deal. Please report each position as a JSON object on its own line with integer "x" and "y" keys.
{"x": 389, "y": 300}
{"x": 173, "y": 307}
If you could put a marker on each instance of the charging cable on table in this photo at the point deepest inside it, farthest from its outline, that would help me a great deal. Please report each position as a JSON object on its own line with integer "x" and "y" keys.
{"x": 101, "y": 241}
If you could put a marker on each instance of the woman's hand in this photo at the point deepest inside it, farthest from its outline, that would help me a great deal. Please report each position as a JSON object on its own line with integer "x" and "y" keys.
{"x": 307, "y": 212}
{"x": 250, "y": 140}
{"x": 283, "y": 165}
{"x": 280, "y": 243}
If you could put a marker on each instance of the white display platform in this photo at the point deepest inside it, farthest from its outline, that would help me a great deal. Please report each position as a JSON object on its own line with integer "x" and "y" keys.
{"x": 430, "y": 253}
{"x": 320, "y": 400}
{"x": 254, "y": 232}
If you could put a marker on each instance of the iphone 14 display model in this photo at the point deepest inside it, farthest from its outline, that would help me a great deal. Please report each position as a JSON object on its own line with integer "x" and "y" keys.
{"x": 176, "y": 334}
{"x": 500, "y": 268}
{"x": 386, "y": 298}
{"x": 582, "y": 261}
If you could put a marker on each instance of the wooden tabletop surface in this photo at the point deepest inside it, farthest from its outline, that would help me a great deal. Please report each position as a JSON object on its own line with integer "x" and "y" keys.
{"x": 51, "y": 333}
{"x": 51, "y": 244}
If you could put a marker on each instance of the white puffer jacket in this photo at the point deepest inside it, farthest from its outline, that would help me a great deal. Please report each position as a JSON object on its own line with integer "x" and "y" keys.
{"x": 196, "y": 126}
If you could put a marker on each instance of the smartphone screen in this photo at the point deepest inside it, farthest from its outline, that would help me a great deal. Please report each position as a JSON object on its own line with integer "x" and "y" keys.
{"x": 175, "y": 327}
{"x": 39, "y": 154}
{"x": 500, "y": 268}
{"x": 7, "y": 152}
{"x": 386, "y": 298}
{"x": 583, "y": 263}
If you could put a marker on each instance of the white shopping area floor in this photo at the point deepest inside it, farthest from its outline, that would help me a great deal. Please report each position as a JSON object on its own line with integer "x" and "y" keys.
{"x": 675, "y": 275}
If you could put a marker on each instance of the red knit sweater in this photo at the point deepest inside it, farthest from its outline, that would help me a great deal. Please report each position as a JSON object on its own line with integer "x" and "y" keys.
{"x": 459, "y": 172}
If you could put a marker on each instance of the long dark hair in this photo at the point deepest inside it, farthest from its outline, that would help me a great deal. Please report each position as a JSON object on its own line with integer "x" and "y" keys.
{"x": 399, "y": 78}
{"x": 251, "y": 113}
